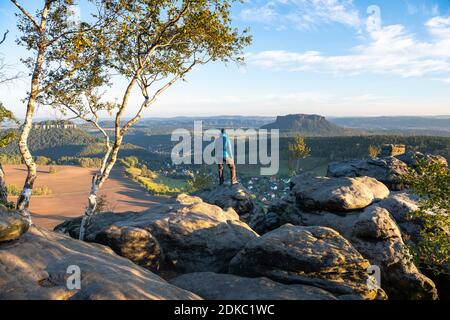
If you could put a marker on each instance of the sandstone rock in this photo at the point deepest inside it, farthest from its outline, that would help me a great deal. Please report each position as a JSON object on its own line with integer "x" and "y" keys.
{"x": 316, "y": 256}
{"x": 336, "y": 194}
{"x": 388, "y": 150}
{"x": 194, "y": 236}
{"x": 214, "y": 286}
{"x": 283, "y": 211}
{"x": 12, "y": 224}
{"x": 133, "y": 243}
{"x": 399, "y": 205}
{"x": 36, "y": 267}
{"x": 377, "y": 237}
{"x": 240, "y": 199}
{"x": 229, "y": 196}
{"x": 388, "y": 170}
{"x": 411, "y": 158}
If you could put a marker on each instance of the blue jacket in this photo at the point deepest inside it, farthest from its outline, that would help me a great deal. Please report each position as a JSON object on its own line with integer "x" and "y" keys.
{"x": 225, "y": 146}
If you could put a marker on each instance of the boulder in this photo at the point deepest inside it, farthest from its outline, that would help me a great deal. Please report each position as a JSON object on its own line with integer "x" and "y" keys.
{"x": 388, "y": 150}
{"x": 38, "y": 266}
{"x": 194, "y": 235}
{"x": 388, "y": 170}
{"x": 133, "y": 243}
{"x": 316, "y": 256}
{"x": 411, "y": 158}
{"x": 229, "y": 196}
{"x": 400, "y": 204}
{"x": 283, "y": 211}
{"x": 336, "y": 194}
{"x": 12, "y": 224}
{"x": 232, "y": 287}
{"x": 240, "y": 199}
{"x": 374, "y": 233}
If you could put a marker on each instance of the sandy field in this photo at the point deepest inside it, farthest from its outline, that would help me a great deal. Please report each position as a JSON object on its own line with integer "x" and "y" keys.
{"x": 71, "y": 185}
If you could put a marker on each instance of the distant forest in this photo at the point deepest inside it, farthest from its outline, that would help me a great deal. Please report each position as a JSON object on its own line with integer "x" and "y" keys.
{"x": 75, "y": 146}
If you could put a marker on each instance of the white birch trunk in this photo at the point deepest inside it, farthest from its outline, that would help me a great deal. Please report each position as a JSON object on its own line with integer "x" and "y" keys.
{"x": 90, "y": 209}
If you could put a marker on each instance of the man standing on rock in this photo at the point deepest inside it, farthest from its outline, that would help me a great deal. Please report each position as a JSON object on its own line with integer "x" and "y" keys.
{"x": 224, "y": 153}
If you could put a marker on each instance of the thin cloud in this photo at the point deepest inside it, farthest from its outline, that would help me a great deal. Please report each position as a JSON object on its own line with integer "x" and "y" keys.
{"x": 390, "y": 50}
{"x": 302, "y": 14}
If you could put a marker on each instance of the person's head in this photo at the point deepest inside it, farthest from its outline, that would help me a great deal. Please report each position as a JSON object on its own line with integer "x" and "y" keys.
{"x": 222, "y": 130}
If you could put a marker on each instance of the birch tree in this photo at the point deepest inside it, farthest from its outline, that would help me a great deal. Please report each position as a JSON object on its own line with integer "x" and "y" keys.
{"x": 56, "y": 43}
{"x": 153, "y": 44}
{"x": 298, "y": 150}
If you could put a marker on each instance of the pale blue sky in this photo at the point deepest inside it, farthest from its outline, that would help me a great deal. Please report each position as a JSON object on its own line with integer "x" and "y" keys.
{"x": 329, "y": 57}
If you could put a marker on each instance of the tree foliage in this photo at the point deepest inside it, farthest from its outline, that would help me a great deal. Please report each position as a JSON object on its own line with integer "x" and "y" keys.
{"x": 200, "y": 180}
{"x": 298, "y": 150}
{"x": 431, "y": 182}
{"x": 150, "y": 45}
{"x": 373, "y": 151}
{"x": 7, "y": 137}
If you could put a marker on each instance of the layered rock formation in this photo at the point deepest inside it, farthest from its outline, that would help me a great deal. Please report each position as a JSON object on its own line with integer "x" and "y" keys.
{"x": 232, "y": 287}
{"x": 192, "y": 235}
{"x": 37, "y": 266}
{"x": 240, "y": 199}
{"x": 372, "y": 230}
{"x": 316, "y": 256}
{"x": 388, "y": 170}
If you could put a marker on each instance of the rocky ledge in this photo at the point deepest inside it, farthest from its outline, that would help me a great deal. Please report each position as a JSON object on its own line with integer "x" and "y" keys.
{"x": 37, "y": 266}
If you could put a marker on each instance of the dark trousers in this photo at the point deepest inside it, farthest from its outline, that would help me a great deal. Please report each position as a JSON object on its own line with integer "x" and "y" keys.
{"x": 232, "y": 167}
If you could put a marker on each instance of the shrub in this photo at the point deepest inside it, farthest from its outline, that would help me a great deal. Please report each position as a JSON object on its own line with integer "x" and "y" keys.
{"x": 90, "y": 162}
{"x": 14, "y": 190}
{"x": 102, "y": 203}
{"x": 131, "y": 161}
{"x": 431, "y": 182}
{"x": 42, "y": 161}
{"x": 199, "y": 181}
{"x": 373, "y": 151}
{"x": 146, "y": 173}
{"x": 10, "y": 159}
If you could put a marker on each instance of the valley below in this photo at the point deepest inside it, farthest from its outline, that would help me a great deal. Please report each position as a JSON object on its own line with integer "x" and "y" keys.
{"x": 69, "y": 191}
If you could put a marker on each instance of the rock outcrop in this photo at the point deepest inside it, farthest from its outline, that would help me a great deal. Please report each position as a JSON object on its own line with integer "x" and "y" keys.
{"x": 240, "y": 199}
{"x": 12, "y": 224}
{"x": 400, "y": 204}
{"x": 36, "y": 266}
{"x": 133, "y": 243}
{"x": 194, "y": 236}
{"x": 411, "y": 158}
{"x": 214, "y": 286}
{"x": 229, "y": 196}
{"x": 336, "y": 194}
{"x": 316, "y": 256}
{"x": 374, "y": 233}
{"x": 388, "y": 170}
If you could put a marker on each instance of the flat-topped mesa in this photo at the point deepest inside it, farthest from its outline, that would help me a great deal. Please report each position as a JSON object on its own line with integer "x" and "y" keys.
{"x": 392, "y": 150}
{"x": 308, "y": 125}
{"x": 55, "y": 124}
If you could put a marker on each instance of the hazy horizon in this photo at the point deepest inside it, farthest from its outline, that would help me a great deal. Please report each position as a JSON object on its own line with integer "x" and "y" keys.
{"x": 444, "y": 116}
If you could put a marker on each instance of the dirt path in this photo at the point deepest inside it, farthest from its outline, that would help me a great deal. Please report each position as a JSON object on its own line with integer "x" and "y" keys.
{"x": 71, "y": 185}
